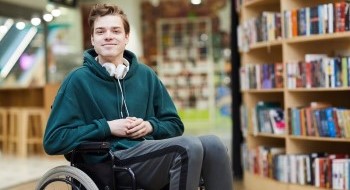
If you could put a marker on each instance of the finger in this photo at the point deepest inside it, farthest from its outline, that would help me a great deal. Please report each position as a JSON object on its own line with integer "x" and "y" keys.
{"x": 135, "y": 128}
{"x": 138, "y": 121}
{"x": 141, "y": 130}
{"x": 131, "y": 118}
{"x": 138, "y": 134}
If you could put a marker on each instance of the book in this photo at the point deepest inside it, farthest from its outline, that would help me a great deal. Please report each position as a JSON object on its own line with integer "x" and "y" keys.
{"x": 260, "y": 111}
{"x": 332, "y": 131}
{"x": 279, "y": 75}
{"x": 312, "y": 157}
{"x": 330, "y": 160}
{"x": 277, "y": 121}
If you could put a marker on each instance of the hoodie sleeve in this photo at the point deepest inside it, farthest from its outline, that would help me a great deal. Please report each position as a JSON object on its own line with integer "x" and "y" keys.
{"x": 166, "y": 122}
{"x": 66, "y": 127}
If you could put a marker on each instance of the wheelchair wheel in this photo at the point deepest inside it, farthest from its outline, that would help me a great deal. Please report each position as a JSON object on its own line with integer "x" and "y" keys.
{"x": 66, "y": 177}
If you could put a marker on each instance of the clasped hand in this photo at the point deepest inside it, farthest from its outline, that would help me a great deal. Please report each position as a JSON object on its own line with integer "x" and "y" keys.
{"x": 130, "y": 127}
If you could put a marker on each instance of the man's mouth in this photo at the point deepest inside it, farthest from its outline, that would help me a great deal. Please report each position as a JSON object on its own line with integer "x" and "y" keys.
{"x": 109, "y": 44}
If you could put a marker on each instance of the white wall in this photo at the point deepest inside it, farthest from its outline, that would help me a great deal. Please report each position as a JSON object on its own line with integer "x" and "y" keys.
{"x": 74, "y": 35}
{"x": 225, "y": 17}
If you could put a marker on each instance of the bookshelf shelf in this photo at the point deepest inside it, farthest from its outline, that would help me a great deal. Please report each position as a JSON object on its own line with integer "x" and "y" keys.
{"x": 273, "y": 184}
{"x": 304, "y": 187}
{"x": 258, "y": 182}
{"x": 331, "y": 86}
{"x": 271, "y": 135}
{"x": 263, "y": 90}
{"x": 267, "y": 44}
{"x": 324, "y": 139}
{"x": 318, "y": 89}
{"x": 318, "y": 37}
{"x": 252, "y": 3}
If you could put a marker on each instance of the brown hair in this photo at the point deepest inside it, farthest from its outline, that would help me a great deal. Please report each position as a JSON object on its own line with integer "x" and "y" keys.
{"x": 100, "y": 10}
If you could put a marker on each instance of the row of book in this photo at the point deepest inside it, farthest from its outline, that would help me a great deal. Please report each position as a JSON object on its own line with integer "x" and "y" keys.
{"x": 319, "y": 169}
{"x": 323, "y": 72}
{"x": 261, "y": 76}
{"x": 266, "y": 27}
{"x": 316, "y": 71}
{"x": 267, "y": 117}
{"x": 320, "y": 119}
{"x": 319, "y": 19}
{"x": 244, "y": 121}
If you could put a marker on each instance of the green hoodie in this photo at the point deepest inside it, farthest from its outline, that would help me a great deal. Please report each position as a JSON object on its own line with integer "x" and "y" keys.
{"x": 89, "y": 97}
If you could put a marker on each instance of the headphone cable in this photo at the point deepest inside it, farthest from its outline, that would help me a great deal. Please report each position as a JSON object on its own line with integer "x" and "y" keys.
{"x": 123, "y": 101}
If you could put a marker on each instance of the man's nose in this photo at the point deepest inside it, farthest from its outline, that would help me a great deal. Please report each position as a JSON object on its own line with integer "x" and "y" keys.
{"x": 108, "y": 35}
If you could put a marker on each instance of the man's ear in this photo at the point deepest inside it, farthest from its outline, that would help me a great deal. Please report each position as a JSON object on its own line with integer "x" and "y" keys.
{"x": 127, "y": 38}
{"x": 92, "y": 40}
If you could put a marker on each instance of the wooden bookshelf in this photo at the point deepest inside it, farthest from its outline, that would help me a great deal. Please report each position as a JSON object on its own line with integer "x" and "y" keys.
{"x": 252, "y": 182}
{"x": 281, "y": 51}
{"x": 266, "y": 44}
{"x": 251, "y": 3}
{"x": 186, "y": 66}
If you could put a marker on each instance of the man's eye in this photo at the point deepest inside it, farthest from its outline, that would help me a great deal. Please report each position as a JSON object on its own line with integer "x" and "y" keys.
{"x": 116, "y": 31}
{"x": 99, "y": 31}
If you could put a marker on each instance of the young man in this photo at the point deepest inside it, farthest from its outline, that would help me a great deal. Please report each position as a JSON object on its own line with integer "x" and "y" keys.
{"x": 114, "y": 98}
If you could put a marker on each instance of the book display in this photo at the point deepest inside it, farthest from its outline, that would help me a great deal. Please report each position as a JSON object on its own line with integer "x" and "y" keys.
{"x": 185, "y": 65}
{"x": 295, "y": 80}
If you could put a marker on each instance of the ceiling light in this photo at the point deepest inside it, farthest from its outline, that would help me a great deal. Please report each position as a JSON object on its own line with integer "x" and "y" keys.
{"x": 20, "y": 25}
{"x": 49, "y": 7}
{"x": 35, "y": 20}
{"x": 155, "y": 2}
{"x": 56, "y": 12}
{"x": 3, "y": 29}
{"x": 47, "y": 17}
{"x": 196, "y": 2}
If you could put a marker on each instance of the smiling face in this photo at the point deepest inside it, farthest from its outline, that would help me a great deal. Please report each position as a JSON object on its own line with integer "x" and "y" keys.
{"x": 109, "y": 38}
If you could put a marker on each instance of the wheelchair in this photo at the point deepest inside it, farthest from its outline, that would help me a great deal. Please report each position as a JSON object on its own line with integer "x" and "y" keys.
{"x": 82, "y": 176}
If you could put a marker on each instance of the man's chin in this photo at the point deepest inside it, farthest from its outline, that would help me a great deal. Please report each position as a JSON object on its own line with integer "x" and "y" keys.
{"x": 108, "y": 54}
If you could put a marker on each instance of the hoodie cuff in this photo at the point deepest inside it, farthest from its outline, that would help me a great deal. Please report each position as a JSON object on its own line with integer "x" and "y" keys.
{"x": 155, "y": 126}
{"x": 105, "y": 128}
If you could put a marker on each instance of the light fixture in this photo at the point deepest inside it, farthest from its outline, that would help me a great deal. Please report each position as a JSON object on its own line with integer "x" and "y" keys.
{"x": 56, "y": 12}
{"x": 35, "y": 20}
{"x": 47, "y": 17}
{"x": 6, "y": 26}
{"x": 20, "y": 25}
{"x": 196, "y": 2}
{"x": 155, "y": 2}
{"x": 49, "y": 7}
{"x": 3, "y": 29}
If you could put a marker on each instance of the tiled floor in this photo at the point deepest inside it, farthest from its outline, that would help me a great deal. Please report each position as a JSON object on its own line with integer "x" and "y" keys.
{"x": 14, "y": 171}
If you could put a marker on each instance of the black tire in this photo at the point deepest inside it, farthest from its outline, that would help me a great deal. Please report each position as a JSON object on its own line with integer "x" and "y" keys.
{"x": 66, "y": 174}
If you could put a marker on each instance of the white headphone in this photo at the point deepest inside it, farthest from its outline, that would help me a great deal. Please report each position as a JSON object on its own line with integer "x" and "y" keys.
{"x": 118, "y": 72}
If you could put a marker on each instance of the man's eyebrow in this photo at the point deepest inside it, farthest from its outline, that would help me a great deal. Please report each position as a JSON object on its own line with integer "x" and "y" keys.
{"x": 113, "y": 27}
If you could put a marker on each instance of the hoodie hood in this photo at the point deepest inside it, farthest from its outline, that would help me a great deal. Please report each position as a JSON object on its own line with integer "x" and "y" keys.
{"x": 94, "y": 66}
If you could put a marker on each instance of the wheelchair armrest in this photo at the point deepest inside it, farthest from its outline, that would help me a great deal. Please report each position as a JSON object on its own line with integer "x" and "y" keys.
{"x": 89, "y": 147}
{"x": 93, "y": 147}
